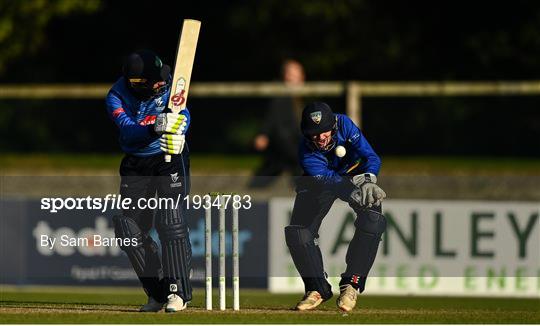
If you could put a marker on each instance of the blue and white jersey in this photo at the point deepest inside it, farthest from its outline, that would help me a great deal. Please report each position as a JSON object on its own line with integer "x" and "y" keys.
{"x": 325, "y": 165}
{"x": 135, "y": 119}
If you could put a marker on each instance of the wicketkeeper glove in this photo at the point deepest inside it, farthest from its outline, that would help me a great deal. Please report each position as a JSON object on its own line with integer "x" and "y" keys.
{"x": 368, "y": 193}
{"x": 172, "y": 144}
{"x": 170, "y": 123}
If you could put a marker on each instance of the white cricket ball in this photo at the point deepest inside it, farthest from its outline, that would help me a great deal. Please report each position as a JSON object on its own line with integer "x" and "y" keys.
{"x": 340, "y": 151}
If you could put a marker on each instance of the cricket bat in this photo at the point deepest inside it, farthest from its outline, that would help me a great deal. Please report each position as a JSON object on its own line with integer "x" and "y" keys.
{"x": 185, "y": 56}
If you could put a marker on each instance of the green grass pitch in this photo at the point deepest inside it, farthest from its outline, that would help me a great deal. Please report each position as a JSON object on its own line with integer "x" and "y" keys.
{"x": 119, "y": 305}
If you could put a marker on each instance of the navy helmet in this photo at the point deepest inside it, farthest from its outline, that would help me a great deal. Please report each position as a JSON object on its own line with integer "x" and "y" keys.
{"x": 142, "y": 69}
{"x": 318, "y": 118}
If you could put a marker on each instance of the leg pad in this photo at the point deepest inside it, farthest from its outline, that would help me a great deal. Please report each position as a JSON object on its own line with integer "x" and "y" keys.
{"x": 176, "y": 253}
{"x": 307, "y": 258}
{"x": 370, "y": 225}
{"x": 143, "y": 255}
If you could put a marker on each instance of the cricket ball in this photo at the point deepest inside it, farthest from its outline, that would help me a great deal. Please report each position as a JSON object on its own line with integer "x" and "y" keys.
{"x": 340, "y": 151}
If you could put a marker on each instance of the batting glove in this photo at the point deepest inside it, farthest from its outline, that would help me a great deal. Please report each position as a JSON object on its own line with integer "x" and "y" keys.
{"x": 170, "y": 123}
{"x": 172, "y": 144}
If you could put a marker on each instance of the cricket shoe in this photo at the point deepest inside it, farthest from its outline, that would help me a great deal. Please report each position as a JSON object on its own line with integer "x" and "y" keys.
{"x": 151, "y": 306}
{"x": 175, "y": 303}
{"x": 347, "y": 297}
{"x": 310, "y": 301}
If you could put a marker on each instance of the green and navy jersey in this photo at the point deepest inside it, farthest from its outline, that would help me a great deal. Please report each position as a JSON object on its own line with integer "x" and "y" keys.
{"x": 135, "y": 119}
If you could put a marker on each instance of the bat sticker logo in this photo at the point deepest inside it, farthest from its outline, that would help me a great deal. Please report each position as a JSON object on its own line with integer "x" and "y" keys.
{"x": 179, "y": 98}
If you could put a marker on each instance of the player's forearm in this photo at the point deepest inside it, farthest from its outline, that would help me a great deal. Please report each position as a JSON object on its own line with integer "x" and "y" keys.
{"x": 368, "y": 155}
{"x": 340, "y": 185}
{"x": 326, "y": 176}
{"x": 373, "y": 164}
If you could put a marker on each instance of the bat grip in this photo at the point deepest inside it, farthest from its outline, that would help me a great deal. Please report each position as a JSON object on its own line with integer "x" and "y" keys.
{"x": 168, "y": 158}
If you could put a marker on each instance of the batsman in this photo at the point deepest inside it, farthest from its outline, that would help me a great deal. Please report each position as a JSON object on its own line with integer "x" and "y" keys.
{"x": 137, "y": 105}
{"x": 338, "y": 162}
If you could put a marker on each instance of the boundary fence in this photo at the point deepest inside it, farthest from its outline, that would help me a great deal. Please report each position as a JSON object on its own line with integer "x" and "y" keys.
{"x": 354, "y": 91}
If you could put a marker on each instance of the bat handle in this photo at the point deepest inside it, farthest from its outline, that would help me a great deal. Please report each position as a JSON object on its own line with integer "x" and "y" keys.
{"x": 167, "y": 158}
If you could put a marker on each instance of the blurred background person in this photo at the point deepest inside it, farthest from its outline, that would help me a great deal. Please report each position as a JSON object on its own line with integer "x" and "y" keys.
{"x": 279, "y": 133}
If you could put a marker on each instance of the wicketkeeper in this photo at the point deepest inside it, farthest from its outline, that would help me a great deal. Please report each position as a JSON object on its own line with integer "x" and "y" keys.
{"x": 327, "y": 177}
{"x": 136, "y": 103}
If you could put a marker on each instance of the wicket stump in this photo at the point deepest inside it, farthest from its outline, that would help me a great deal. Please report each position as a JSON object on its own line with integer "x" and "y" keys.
{"x": 222, "y": 253}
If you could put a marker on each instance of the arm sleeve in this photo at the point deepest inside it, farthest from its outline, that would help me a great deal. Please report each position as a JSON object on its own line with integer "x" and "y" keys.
{"x": 317, "y": 167}
{"x": 131, "y": 132}
{"x": 372, "y": 162}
